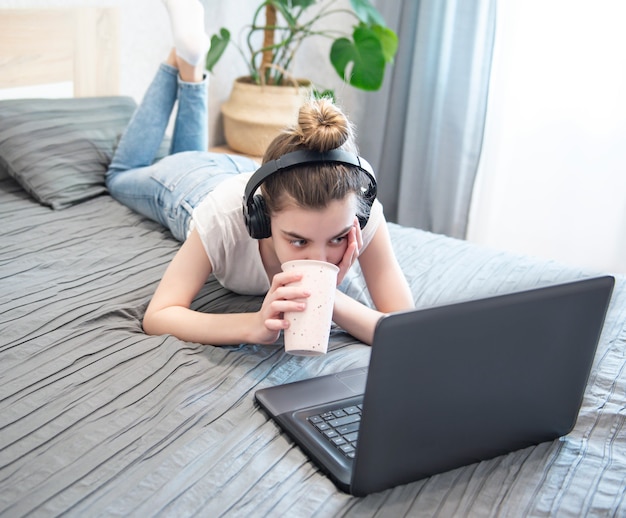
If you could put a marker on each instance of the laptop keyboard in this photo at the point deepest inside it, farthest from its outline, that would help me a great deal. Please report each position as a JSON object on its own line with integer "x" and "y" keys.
{"x": 340, "y": 427}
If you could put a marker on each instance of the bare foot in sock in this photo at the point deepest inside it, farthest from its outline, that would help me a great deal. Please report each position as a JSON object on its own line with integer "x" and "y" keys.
{"x": 187, "y": 23}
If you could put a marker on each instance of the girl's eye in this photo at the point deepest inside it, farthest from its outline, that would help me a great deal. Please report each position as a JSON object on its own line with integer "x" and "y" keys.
{"x": 298, "y": 243}
{"x": 338, "y": 240}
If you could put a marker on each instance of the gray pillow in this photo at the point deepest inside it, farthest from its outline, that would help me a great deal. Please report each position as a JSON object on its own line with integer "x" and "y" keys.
{"x": 59, "y": 149}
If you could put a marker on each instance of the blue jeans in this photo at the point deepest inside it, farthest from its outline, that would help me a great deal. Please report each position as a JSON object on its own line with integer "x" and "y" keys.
{"x": 167, "y": 190}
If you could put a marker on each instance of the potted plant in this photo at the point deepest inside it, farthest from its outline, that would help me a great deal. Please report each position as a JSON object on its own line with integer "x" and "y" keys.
{"x": 268, "y": 98}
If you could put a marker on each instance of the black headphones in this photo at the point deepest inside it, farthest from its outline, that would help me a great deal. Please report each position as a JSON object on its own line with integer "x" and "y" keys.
{"x": 254, "y": 210}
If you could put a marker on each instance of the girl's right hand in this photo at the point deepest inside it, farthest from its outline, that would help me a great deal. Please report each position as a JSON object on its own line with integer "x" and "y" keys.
{"x": 282, "y": 297}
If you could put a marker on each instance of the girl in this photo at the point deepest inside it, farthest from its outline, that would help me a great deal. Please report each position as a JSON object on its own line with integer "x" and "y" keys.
{"x": 313, "y": 211}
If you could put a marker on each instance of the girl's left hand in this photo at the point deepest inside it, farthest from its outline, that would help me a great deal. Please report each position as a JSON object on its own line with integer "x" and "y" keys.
{"x": 355, "y": 243}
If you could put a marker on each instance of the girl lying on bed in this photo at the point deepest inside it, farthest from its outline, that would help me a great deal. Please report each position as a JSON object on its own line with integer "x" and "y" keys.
{"x": 309, "y": 211}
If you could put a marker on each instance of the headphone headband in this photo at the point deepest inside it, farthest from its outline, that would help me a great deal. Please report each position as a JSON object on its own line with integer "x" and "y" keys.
{"x": 304, "y": 157}
{"x": 256, "y": 218}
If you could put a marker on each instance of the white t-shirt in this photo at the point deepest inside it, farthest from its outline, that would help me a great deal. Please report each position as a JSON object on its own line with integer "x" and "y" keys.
{"x": 234, "y": 255}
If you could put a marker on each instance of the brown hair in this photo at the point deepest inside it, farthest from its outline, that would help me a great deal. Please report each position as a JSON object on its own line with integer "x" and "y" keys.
{"x": 321, "y": 127}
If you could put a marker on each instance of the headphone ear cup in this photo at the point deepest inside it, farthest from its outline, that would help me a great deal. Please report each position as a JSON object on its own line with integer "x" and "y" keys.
{"x": 369, "y": 198}
{"x": 363, "y": 220}
{"x": 257, "y": 219}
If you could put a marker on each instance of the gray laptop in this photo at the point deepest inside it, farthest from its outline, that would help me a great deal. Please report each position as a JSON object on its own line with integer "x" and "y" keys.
{"x": 449, "y": 386}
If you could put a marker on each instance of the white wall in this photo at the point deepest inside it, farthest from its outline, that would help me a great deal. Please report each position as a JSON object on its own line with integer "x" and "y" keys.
{"x": 552, "y": 178}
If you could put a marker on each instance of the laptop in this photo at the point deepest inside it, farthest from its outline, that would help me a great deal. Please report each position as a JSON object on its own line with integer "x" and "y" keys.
{"x": 449, "y": 386}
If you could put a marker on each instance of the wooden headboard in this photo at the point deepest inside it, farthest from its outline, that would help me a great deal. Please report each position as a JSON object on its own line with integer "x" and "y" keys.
{"x": 43, "y": 46}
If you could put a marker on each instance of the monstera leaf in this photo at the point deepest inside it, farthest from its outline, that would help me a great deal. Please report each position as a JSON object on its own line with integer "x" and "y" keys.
{"x": 361, "y": 62}
{"x": 219, "y": 42}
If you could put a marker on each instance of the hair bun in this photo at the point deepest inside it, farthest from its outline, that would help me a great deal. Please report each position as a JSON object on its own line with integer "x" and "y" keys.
{"x": 323, "y": 126}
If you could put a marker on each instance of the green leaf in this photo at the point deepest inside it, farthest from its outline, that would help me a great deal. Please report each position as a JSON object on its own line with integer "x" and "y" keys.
{"x": 283, "y": 7}
{"x": 304, "y": 4}
{"x": 218, "y": 46}
{"x": 324, "y": 94}
{"x": 365, "y": 54}
{"x": 286, "y": 8}
{"x": 388, "y": 40}
{"x": 367, "y": 13}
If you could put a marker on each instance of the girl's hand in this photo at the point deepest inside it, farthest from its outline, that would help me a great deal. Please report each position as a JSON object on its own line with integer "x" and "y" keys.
{"x": 355, "y": 243}
{"x": 282, "y": 297}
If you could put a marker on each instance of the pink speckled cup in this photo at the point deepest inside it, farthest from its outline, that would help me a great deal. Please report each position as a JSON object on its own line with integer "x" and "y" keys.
{"x": 309, "y": 330}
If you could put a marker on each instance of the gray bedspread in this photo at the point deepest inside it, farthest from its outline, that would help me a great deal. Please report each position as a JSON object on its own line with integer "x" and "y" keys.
{"x": 96, "y": 418}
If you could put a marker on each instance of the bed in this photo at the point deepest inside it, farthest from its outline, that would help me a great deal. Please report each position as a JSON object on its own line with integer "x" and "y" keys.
{"x": 97, "y": 418}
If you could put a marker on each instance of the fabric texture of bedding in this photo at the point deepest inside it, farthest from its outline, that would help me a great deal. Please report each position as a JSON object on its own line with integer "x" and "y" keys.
{"x": 59, "y": 149}
{"x": 97, "y": 418}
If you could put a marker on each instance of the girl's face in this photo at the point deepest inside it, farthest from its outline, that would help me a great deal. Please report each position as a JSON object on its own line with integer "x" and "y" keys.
{"x": 321, "y": 235}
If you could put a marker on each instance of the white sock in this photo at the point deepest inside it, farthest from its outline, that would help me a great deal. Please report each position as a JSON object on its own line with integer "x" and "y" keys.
{"x": 187, "y": 22}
